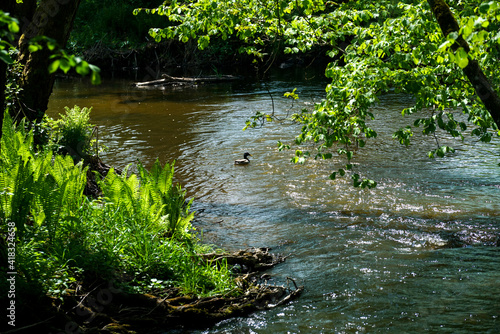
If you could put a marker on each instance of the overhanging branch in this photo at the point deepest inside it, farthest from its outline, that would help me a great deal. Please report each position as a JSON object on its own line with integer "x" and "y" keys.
{"x": 473, "y": 71}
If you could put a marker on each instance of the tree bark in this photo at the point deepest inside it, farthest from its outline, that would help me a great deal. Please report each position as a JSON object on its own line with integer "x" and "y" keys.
{"x": 53, "y": 19}
{"x": 6, "y": 6}
{"x": 3, "y": 81}
{"x": 473, "y": 71}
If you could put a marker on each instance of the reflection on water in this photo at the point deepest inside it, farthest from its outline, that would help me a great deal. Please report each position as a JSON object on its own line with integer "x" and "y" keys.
{"x": 371, "y": 260}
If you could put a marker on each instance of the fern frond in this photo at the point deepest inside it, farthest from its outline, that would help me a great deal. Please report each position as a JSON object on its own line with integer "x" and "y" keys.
{"x": 6, "y": 191}
{"x": 21, "y": 200}
{"x": 8, "y": 141}
{"x": 166, "y": 178}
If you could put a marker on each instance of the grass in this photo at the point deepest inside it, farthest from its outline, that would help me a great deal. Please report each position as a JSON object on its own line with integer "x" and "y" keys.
{"x": 139, "y": 232}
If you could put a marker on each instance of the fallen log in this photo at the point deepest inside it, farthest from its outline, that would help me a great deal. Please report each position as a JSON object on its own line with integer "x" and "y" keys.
{"x": 174, "y": 81}
{"x": 246, "y": 261}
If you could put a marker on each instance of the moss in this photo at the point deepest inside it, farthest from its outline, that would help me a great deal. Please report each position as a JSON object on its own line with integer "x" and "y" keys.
{"x": 444, "y": 16}
{"x": 447, "y": 22}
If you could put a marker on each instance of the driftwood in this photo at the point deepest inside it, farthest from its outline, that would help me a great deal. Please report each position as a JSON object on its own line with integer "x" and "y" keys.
{"x": 168, "y": 80}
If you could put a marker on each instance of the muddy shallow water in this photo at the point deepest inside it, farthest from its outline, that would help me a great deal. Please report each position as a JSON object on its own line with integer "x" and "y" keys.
{"x": 371, "y": 260}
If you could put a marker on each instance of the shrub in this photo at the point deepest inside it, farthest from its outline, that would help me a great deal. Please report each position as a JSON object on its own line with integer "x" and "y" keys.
{"x": 76, "y": 131}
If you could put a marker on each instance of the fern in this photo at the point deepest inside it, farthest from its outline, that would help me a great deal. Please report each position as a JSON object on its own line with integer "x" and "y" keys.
{"x": 9, "y": 143}
{"x": 36, "y": 186}
{"x": 168, "y": 200}
{"x": 150, "y": 197}
{"x": 22, "y": 195}
{"x": 111, "y": 188}
{"x": 6, "y": 192}
{"x": 121, "y": 191}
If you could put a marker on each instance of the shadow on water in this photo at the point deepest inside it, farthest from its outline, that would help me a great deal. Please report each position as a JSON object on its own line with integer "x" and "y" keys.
{"x": 371, "y": 261}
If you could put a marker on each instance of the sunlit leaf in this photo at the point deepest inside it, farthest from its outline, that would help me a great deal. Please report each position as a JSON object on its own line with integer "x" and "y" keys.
{"x": 34, "y": 48}
{"x": 462, "y": 58}
{"x": 64, "y": 65}
{"x": 54, "y": 66}
{"x": 95, "y": 78}
{"x": 13, "y": 27}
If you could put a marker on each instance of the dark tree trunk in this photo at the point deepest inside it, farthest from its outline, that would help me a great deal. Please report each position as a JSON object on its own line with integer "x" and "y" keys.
{"x": 3, "y": 80}
{"x": 53, "y": 19}
{"x": 473, "y": 71}
{"x": 6, "y": 6}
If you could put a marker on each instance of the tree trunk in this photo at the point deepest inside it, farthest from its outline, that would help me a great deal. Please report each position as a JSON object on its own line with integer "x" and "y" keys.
{"x": 6, "y": 6}
{"x": 473, "y": 71}
{"x": 3, "y": 80}
{"x": 53, "y": 19}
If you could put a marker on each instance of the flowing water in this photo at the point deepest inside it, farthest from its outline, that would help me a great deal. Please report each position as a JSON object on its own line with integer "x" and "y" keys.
{"x": 370, "y": 260}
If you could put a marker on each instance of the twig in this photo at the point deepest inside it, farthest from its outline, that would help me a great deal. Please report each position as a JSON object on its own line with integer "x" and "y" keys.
{"x": 28, "y": 326}
{"x": 86, "y": 295}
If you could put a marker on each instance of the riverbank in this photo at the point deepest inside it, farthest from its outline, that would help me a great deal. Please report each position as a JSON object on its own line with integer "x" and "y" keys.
{"x": 114, "y": 253}
{"x": 177, "y": 58}
{"x": 100, "y": 306}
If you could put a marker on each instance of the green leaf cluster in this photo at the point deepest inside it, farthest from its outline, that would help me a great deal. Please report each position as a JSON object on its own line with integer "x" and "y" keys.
{"x": 65, "y": 62}
{"x": 377, "y": 48}
{"x": 36, "y": 184}
{"x": 62, "y": 60}
{"x": 254, "y": 23}
{"x": 9, "y": 26}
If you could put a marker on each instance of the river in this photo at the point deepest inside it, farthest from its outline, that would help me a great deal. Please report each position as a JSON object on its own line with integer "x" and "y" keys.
{"x": 371, "y": 260}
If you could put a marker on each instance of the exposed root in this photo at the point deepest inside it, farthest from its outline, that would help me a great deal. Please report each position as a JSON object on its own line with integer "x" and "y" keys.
{"x": 95, "y": 164}
{"x": 246, "y": 261}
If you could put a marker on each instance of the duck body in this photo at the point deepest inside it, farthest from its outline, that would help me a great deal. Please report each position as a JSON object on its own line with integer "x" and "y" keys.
{"x": 244, "y": 161}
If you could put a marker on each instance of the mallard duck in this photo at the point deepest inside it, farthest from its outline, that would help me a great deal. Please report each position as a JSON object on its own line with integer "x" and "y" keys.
{"x": 244, "y": 161}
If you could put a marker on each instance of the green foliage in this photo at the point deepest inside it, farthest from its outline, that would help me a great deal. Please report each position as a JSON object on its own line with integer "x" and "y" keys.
{"x": 140, "y": 228}
{"x": 111, "y": 24}
{"x": 9, "y": 26}
{"x": 128, "y": 240}
{"x": 158, "y": 187}
{"x": 37, "y": 188}
{"x": 12, "y": 88}
{"x": 154, "y": 193}
{"x": 254, "y": 23}
{"x": 64, "y": 61}
{"x": 392, "y": 46}
{"x": 72, "y": 133}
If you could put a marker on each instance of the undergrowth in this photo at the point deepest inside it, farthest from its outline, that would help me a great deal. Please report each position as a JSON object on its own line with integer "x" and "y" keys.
{"x": 71, "y": 134}
{"x": 112, "y": 24}
{"x": 139, "y": 232}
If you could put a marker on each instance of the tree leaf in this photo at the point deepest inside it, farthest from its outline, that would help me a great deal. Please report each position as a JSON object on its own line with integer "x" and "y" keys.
{"x": 95, "y": 78}
{"x": 54, "y": 66}
{"x": 462, "y": 58}
{"x": 5, "y": 57}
